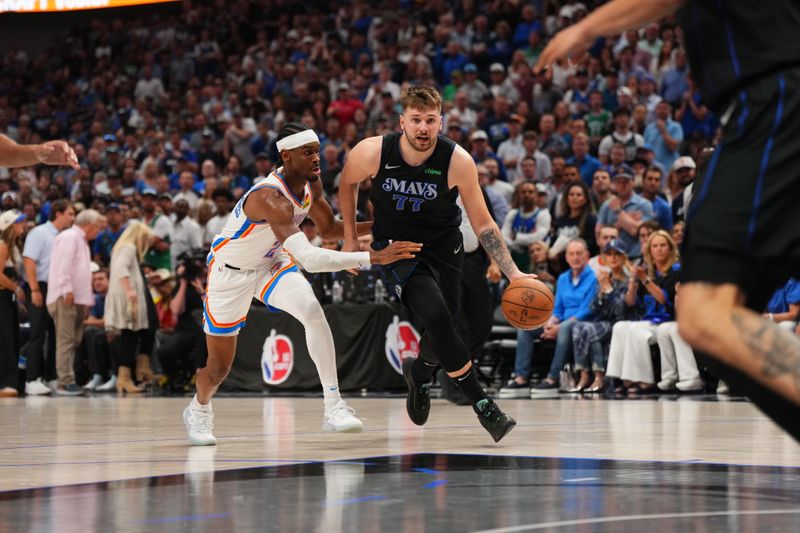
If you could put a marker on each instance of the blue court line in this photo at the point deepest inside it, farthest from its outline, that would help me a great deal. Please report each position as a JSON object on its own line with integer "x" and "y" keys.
{"x": 618, "y": 460}
{"x": 187, "y": 518}
{"x": 434, "y": 484}
{"x": 355, "y": 500}
{"x": 427, "y": 471}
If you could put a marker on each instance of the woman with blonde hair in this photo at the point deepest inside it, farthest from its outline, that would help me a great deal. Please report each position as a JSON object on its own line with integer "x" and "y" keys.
{"x": 126, "y": 310}
{"x": 650, "y": 296}
{"x": 12, "y": 226}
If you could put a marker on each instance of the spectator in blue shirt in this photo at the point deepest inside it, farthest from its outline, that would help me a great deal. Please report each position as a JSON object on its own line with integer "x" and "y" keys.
{"x": 626, "y": 211}
{"x": 664, "y": 135}
{"x": 651, "y": 191}
{"x": 784, "y": 306}
{"x": 586, "y": 163}
{"x": 575, "y": 290}
{"x": 524, "y": 28}
{"x": 674, "y": 84}
{"x": 101, "y": 251}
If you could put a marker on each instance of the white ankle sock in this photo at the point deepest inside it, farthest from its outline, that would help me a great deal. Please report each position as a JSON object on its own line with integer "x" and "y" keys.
{"x": 197, "y": 406}
{"x": 331, "y": 395}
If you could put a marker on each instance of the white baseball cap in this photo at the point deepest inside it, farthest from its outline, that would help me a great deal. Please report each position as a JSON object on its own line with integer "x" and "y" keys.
{"x": 12, "y": 216}
{"x": 683, "y": 162}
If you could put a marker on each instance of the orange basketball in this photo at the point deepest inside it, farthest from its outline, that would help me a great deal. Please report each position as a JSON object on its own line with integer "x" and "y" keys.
{"x": 527, "y": 303}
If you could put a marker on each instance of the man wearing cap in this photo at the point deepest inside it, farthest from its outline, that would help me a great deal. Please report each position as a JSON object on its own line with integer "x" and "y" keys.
{"x": 70, "y": 293}
{"x": 511, "y": 150}
{"x": 647, "y": 96}
{"x": 627, "y": 210}
{"x": 685, "y": 169}
{"x": 665, "y": 135}
{"x": 621, "y": 135}
{"x": 158, "y": 256}
{"x": 577, "y": 98}
{"x": 501, "y": 85}
{"x": 107, "y": 238}
{"x": 481, "y": 151}
{"x": 476, "y": 90}
{"x": 8, "y": 201}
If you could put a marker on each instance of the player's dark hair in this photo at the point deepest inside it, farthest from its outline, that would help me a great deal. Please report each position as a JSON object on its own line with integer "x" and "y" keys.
{"x": 290, "y": 128}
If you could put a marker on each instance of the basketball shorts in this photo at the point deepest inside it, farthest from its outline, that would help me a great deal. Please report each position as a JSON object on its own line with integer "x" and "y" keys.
{"x": 442, "y": 259}
{"x": 743, "y": 221}
{"x": 230, "y": 292}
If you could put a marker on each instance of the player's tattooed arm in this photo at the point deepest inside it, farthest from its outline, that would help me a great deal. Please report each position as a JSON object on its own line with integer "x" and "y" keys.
{"x": 776, "y": 348}
{"x": 492, "y": 242}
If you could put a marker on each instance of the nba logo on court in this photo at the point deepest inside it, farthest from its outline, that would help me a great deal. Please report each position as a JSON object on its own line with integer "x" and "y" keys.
{"x": 402, "y": 342}
{"x": 277, "y": 359}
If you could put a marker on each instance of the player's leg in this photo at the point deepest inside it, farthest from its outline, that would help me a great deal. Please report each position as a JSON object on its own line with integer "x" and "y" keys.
{"x": 474, "y": 323}
{"x": 714, "y": 321}
{"x": 423, "y": 296}
{"x": 289, "y": 291}
{"x": 225, "y": 309}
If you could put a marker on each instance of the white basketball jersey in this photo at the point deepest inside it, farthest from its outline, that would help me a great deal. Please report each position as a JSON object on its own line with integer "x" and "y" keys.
{"x": 244, "y": 243}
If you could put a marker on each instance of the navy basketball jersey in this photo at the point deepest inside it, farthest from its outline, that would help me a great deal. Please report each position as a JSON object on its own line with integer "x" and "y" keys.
{"x": 414, "y": 203}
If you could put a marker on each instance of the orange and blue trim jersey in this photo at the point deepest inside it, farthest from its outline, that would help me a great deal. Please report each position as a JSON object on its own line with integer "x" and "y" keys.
{"x": 251, "y": 244}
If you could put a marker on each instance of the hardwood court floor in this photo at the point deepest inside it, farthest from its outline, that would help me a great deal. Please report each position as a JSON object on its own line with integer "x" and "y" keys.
{"x": 680, "y": 444}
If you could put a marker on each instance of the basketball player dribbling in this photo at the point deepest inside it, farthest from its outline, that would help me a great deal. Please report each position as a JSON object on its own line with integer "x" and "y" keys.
{"x": 249, "y": 259}
{"x": 417, "y": 174}
{"x": 742, "y": 239}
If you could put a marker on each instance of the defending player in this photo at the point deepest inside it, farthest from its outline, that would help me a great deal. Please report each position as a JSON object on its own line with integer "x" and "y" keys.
{"x": 249, "y": 259}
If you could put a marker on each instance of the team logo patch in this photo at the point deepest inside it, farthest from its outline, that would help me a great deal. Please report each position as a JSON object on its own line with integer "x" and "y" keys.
{"x": 402, "y": 342}
{"x": 277, "y": 358}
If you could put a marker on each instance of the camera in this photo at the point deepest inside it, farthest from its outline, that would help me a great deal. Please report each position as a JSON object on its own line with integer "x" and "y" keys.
{"x": 193, "y": 262}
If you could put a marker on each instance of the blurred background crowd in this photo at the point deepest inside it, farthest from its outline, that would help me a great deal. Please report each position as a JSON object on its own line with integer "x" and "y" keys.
{"x": 173, "y": 113}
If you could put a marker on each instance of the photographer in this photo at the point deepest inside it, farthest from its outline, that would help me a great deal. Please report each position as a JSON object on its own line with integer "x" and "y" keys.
{"x": 183, "y": 350}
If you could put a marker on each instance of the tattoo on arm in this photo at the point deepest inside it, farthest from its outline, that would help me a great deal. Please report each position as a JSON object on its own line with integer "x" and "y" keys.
{"x": 779, "y": 349}
{"x": 493, "y": 244}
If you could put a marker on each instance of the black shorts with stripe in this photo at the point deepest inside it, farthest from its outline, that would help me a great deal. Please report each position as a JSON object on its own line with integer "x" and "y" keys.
{"x": 442, "y": 259}
{"x": 743, "y": 223}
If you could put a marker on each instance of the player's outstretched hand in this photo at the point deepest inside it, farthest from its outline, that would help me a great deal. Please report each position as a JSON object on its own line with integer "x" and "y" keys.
{"x": 57, "y": 153}
{"x": 570, "y": 43}
{"x": 394, "y": 252}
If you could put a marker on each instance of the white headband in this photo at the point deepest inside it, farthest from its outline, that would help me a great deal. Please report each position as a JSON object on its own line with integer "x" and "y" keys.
{"x": 296, "y": 140}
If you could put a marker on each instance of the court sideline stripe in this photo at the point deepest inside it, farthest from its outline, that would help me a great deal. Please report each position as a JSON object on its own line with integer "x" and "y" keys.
{"x": 634, "y": 517}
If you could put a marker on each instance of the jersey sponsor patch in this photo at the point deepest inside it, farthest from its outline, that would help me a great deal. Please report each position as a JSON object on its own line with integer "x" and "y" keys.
{"x": 277, "y": 358}
{"x": 402, "y": 342}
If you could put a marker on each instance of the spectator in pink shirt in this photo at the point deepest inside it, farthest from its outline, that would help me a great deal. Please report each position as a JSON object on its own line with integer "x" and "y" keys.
{"x": 69, "y": 293}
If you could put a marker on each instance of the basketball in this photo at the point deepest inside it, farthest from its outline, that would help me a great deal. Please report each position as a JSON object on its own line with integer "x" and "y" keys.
{"x": 527, "y": 303}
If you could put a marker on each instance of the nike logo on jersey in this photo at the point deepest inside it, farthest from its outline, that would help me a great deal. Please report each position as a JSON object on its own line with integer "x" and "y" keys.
{"x": 457, "y": 249}
{"x": 387, "y": 166}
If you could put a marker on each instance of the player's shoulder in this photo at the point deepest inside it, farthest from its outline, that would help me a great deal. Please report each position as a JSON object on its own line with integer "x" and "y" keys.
{"x": 370, "y": 145}
{"x": 461, "y": 158}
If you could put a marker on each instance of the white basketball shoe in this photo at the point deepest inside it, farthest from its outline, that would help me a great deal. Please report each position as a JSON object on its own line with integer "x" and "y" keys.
{"x": 199, "y": 425}
{"x": 341, "y": 419}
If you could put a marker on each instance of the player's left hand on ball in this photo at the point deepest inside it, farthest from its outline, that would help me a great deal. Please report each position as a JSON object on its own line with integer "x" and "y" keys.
{"x": 520, "y": 274}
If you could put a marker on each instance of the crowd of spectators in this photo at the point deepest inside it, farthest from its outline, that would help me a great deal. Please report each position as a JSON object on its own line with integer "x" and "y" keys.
{"x": 588, "y": 167}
